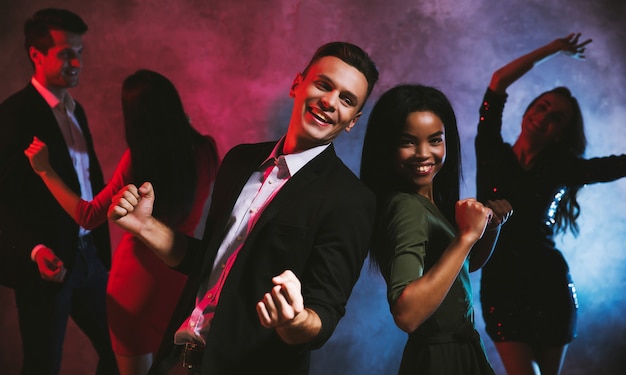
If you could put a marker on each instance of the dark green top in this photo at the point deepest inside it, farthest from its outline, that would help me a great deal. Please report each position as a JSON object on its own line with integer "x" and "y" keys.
{"x": 416, "y": 234}
{"x": 413, "y": 234}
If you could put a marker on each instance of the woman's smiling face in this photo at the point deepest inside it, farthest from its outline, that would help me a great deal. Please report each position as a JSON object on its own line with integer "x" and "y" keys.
{"x": 421, "y": 150}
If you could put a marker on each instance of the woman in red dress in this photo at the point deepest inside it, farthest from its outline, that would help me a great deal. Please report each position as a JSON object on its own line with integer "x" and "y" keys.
{"x": 165, "y": 149}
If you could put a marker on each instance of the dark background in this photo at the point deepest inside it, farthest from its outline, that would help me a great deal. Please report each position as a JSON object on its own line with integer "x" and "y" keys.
{"x": 233, "y": 63}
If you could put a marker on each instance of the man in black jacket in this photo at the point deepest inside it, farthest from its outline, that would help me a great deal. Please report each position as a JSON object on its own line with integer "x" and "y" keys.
{"x": 56, "y": 268}
{"x": 286, "y": 235}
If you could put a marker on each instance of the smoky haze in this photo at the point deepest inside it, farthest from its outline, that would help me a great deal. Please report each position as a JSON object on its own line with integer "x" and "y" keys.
{"x": 234, "y": 61}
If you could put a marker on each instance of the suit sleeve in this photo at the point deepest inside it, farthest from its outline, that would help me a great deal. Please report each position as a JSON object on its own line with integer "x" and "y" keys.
{"x": 337, "y": 258}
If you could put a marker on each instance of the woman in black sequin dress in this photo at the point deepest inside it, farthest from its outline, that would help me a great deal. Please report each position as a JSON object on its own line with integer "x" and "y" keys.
{"x": 528, "y": 297}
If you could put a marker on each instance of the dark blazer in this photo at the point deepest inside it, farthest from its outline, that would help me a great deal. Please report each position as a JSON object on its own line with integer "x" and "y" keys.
{"x": 318, "y": 226}
{"x": 29, "y": 214}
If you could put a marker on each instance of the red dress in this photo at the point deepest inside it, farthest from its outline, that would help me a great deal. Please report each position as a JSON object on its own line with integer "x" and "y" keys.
{"x": 142, "y": 291}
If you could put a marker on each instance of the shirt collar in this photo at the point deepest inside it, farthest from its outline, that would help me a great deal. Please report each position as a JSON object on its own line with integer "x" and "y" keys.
{"x": 51, "y": 99}
{"x": 296, "y": 161}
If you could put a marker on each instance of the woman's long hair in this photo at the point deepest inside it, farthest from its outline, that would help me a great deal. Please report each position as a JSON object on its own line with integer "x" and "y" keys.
{"x": 162, "y": 143}
{"x": 384, "y": 127}
{"x": 571, "y": 145}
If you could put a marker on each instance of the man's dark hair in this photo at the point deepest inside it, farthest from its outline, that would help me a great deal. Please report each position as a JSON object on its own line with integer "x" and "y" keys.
{"x": 37, "y": 28}
{"x": 351, "y": 55}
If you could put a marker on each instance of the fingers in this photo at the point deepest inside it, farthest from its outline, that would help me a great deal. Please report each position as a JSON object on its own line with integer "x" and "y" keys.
{"x": 264, "y": 315}
{"x": 472, "y": 217}
{"x": 36, "y": 148}
{"x": 51, "y": 268}
{"x": 471, "y": 206}
{"x": 291, "y": 289}
{"x": 128, "y": 199}
{"x": 573, "y": 39}
{"x": 502, "y": 210}
{"x": 146, "y": 190}
{"x": 275, "y": 309}
{"x": 124, "y": 202}
{"x": 55, "y": 271}
{"x": 489, "y": 215}
{"x": 282, "y": 303}
{"x": 571, "y": 45}
{"x": 36, "y": 145}
{"x": 37, "y": 153}
{"x": 581, "y": 45}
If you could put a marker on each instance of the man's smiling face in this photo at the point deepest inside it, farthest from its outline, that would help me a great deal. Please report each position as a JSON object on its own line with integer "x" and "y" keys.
{"x": 327, "y": 100}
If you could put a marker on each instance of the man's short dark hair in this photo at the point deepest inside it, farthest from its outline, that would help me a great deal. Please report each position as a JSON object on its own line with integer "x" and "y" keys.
{"x": 37, "y": 28}
{"x": 352, "y": 55}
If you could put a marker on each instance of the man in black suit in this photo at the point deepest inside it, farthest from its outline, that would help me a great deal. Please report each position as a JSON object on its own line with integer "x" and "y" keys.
{"x": 286, "y": 237}
{"x": 56, "y": 268}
